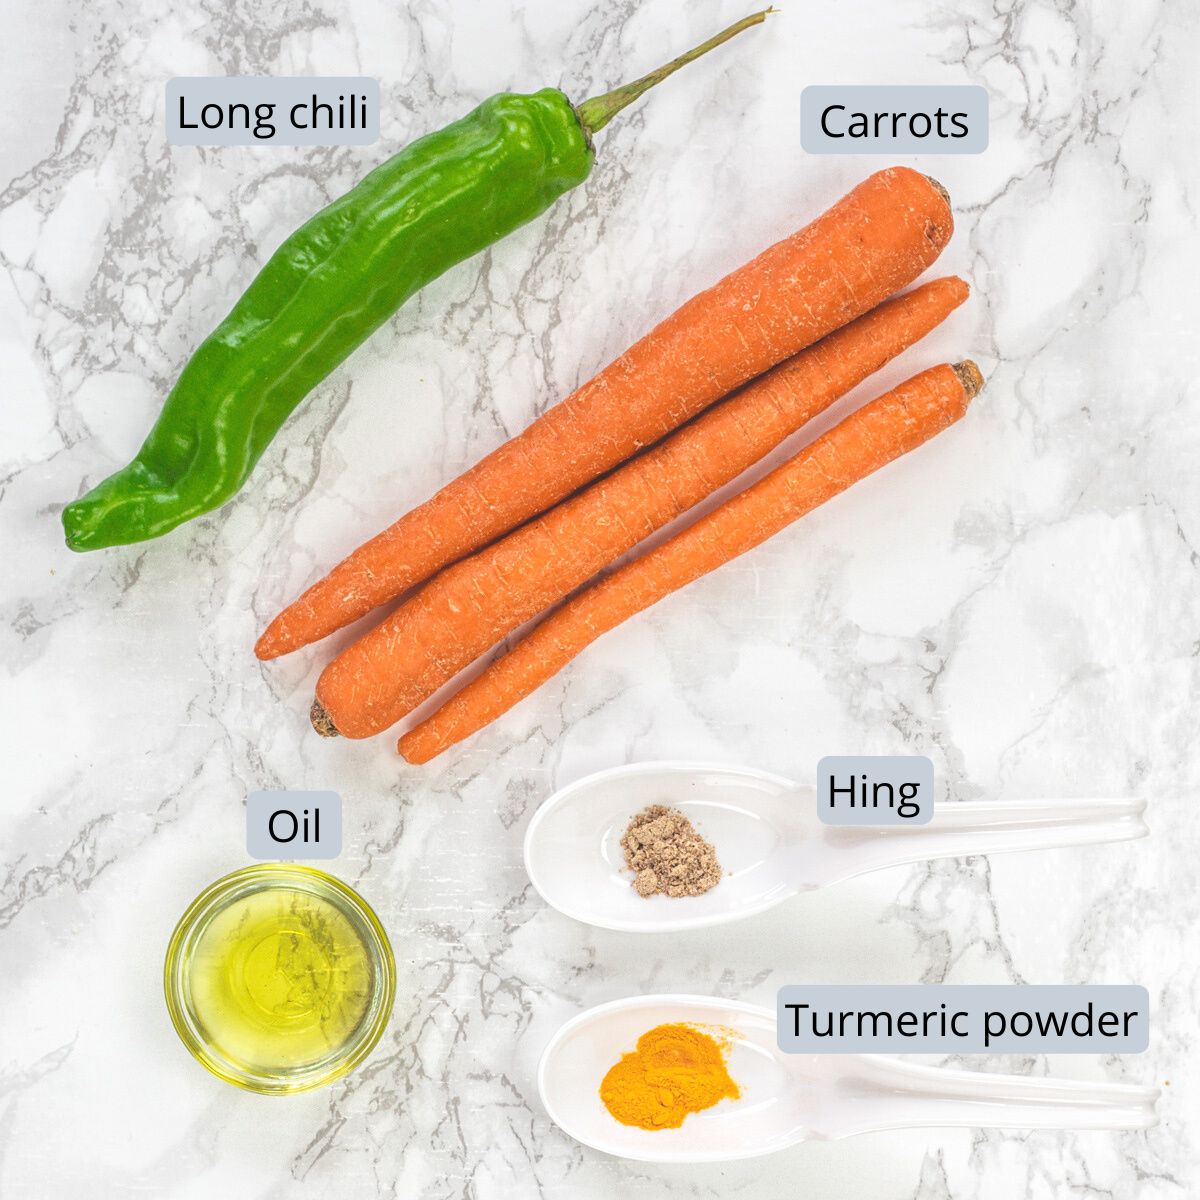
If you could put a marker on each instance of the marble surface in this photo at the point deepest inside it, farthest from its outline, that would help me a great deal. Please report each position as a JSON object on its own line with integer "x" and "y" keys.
{"x": 1017, "y": 600}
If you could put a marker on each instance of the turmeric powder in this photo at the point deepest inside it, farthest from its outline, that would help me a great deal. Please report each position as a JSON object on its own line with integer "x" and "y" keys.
{"x": 675, "y": 1070}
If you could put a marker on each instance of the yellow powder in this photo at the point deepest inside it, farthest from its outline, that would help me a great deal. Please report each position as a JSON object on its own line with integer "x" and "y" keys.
{"x": 675, "y": 1070}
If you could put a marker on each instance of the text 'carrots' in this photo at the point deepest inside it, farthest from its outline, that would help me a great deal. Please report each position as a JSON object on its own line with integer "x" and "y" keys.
{"x": 881, "y": 431}
{"x": 470, "y": 606}
{"x": 874, "y": 241}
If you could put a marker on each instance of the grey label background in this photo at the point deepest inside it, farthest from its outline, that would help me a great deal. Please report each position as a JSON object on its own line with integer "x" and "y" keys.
{"x": 260, "y": 806}
{"x": 976, "y": 1000}
{"x": 283, "y": 92}
{"x": 878, "y": 768}
{"x": 907, "y": 98}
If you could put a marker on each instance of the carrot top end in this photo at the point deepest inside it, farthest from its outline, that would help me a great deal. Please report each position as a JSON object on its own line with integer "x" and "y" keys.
{"x": 970, "y": 376}
{"x": 939, "y": 188}
{"x": 322, "y": 722}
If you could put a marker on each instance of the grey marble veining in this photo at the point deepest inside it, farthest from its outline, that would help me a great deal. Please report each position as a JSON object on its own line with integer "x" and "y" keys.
{"x": 1017, "y": 599}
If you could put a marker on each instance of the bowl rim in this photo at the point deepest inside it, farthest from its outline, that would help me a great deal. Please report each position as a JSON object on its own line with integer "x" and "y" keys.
{"x": 328, "y": 887}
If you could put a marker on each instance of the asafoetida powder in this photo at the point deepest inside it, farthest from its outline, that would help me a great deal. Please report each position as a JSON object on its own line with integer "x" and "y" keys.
{"x": 667, "y": 855}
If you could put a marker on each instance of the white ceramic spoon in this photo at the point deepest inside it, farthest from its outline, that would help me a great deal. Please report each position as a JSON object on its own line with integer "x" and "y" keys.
{"x": 790, "y": 1098}
{"x": 769, "y": 841}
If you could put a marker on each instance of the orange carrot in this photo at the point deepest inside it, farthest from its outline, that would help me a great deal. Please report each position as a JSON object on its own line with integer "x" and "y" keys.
{"x": 865, "y": 441}
{"x": 874, "y": 241}
{"x": 473, "y": 604}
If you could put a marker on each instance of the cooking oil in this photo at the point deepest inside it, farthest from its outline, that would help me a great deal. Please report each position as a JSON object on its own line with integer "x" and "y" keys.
{"x": 275, "y": 980}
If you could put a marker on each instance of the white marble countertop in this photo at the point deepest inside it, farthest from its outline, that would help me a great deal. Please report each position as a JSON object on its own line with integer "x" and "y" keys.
{"x": 1017, "y": 600}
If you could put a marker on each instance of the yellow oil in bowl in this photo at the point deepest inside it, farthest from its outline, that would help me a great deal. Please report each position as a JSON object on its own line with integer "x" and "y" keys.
{"x": 279, "y": 978}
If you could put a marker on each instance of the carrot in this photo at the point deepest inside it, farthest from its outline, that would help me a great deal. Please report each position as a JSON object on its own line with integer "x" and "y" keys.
{"x": 874, "y": 241}
{"x": 471, "y": 605}
{"x": 881, "y": 431}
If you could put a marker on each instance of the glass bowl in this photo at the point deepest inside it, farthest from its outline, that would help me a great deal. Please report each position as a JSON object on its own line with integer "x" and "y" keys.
{"x": 279, "y": 978}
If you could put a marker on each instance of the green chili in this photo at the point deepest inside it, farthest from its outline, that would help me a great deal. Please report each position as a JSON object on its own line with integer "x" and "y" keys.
{"x": 337, "y": 279}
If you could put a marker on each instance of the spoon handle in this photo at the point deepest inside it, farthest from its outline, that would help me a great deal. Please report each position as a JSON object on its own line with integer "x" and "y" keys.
{"x": 960, "y": 830}
{"x": 873, "y": 1093}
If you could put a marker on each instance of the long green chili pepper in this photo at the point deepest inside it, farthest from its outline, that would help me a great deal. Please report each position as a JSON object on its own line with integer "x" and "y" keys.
{"x": 336, "y": 280}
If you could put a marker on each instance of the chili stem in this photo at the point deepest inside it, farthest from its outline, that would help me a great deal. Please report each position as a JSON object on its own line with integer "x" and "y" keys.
{"x": 595, "y": 113}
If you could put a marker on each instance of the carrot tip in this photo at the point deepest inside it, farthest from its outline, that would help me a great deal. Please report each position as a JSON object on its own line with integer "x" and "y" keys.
{"x": 970, "y": 376}
{"x": 412, "y": 756}
{"x": 322, "y": 722}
